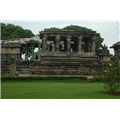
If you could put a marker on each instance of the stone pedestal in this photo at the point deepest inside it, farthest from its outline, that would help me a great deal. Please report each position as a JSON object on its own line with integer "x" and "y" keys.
{"x": 12, "y": 66}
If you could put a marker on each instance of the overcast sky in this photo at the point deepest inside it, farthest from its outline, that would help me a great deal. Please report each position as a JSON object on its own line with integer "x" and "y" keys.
{"x": 109, "y": 30}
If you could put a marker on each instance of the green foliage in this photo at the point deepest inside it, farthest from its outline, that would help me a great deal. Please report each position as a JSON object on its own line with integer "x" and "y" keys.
{"x": 99, "y": 41}
{"x": 43, "y": 78}
{"x": 96, "y": 79}
{"x": 2, "y": 29}
{"x": 76, "y": 27}
{"x": 12, "y": 54}
{"x": 23, "y": 51}
{"x": 110, "y": 76}
{"x": 10, "y": 31}
{"x": 52, "y": 28}
{"x": 5, "y": 75}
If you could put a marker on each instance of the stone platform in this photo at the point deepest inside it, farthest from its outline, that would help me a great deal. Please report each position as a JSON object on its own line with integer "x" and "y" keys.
{"x": 64, "y": 66}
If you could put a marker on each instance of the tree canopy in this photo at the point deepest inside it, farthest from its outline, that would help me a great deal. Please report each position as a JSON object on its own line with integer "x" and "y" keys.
{"x": 10, "y": 31}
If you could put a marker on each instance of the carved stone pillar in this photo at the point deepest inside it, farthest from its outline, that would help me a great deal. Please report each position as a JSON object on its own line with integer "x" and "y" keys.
{"x": 89, "y": 48}
{"x": 68, "y": 44}
{"x": 53, "y": 47}
{"x": 26, "y": 55}
{"x": 93, "y": 45}
{"x": 39, "y": 56}
{"x": 48, "y": 47}
{"x": 80, "y": 44}
{"x": 57, "y": 43}
{"x": 44, "y": 45}
{"x": 32, "y": 52}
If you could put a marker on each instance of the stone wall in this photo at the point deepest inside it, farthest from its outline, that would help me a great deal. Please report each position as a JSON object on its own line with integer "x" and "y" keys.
{"x": 62, "y": 69}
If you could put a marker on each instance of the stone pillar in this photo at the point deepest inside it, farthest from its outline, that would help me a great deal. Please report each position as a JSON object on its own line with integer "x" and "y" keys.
{"x": 80, "y": 44}
{"x": 39, "y": 56}
{"x": 93, "y": 45}
{"x": 53, "y": 48}
{"x": 89, "y": 48}
{"x": 32, "y": 52}
{"x": 12, "y": 66}
{"x": 44, "y": 44}
{"x": 48, "y": 47}
{"x": 57, "y": 43}
{"x": 68, "y": 44}
{"x": 26, "y": 55}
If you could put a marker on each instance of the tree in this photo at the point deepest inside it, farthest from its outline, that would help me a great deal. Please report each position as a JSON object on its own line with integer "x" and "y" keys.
{"x": 10, "y": 31}
{"x": 76, "y": 27}
{"x": 2, "y": 27}
{"x": 99, "y": 41}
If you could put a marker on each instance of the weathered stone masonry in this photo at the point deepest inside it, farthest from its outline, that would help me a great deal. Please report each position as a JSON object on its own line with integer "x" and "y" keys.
{"x": 63, "y": 53}
{"x": 64, "y": 42}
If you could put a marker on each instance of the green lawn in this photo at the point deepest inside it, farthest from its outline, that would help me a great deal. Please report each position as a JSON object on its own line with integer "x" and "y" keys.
{"x": 53, "y": 90}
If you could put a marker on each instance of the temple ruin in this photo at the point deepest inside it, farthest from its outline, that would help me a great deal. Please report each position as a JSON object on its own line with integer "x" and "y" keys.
{"x": 63, "y": 53}
{"x": 116, "y": 48}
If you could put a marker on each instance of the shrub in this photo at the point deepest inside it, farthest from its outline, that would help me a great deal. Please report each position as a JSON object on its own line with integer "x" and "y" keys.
{"x": 110, "y": 76}
{"x": 12, "y": 54}
{"x": 96, "y": 79}
{"x": 44, "y": 78}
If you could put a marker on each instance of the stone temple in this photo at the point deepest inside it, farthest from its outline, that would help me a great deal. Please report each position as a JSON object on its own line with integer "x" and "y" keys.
{"x": 63, "y": 53}
{"x": 116, "y": 48}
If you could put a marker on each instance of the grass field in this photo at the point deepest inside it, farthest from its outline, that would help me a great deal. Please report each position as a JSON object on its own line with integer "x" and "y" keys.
{"x": 53, "y": 90}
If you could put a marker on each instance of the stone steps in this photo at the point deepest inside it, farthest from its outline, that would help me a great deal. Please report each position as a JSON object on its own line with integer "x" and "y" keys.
{"x": 60, "y": 70}
{"x": 24, "y": 70}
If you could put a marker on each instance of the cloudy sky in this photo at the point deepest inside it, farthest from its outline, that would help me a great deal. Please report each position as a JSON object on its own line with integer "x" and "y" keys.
{"x": 109, "y": 30}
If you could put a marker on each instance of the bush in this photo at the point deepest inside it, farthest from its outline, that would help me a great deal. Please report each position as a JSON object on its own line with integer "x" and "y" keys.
{"x": 44, "y": 78}
{"x": 12, "y": 54}
{"x": 110, "y": 76}
{"x": 96, "y": 79}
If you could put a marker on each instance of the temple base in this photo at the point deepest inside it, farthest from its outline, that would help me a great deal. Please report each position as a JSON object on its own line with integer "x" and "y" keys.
{"x": 64, "y": 66}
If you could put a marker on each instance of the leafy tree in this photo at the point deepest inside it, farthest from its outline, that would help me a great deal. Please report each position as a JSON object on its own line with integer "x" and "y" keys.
{"x": 76, "y": 27}
{"x": 99, "y": 41}
{"x": 2, "y": 27}
{"x": 53, "y": 28}
{"x": 49, "y": 29}
{"x": 10, "y": 31}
